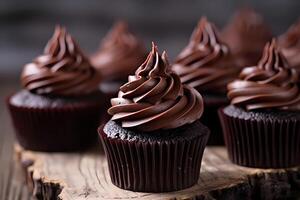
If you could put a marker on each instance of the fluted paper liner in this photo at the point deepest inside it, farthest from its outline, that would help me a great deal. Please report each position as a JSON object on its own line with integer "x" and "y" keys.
{"x": 264, "y": 143}
{"x": 154, "y": 166}
{"x": 68, "y": 128}
{"x": 210, "y": 118}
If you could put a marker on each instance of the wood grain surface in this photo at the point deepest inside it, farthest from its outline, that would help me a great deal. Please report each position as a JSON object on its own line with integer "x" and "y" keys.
{"x": 12, "y": 182}
{"x": 85, "y": 176}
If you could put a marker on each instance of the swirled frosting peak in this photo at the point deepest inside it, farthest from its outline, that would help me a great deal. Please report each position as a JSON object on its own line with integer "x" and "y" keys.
{"x": 119, "y": 54}
{"x": 270, "y": 84}
{"x": 206, "y": 63}
{"x": 62, "y": 70}
{"x": 154, "y": 98}
{"x": 290, "y": 46}
{"x": 246, "y": 35}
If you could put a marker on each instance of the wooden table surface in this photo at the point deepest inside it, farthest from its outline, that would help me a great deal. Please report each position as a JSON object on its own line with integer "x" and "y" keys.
{"x": 12, "y": 183}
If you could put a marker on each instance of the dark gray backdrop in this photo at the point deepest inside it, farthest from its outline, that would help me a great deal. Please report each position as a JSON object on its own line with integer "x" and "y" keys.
{"x": 26, "y": 25}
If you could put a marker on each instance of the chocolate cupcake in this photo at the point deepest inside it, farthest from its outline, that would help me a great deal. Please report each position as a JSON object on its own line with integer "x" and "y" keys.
{"x": 60, "y": 105}
{"x": 207, "y": 65}
{"x": 262, "y": 125}
{"x": 246, "y": 35}
{"x": 289, "y": 43}
{"x": 154, "y": 141}
{"x": 119, "y": 54}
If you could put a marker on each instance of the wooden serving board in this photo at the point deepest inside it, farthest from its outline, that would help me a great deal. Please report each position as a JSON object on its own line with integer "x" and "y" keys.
{"x": 85, "y": 176}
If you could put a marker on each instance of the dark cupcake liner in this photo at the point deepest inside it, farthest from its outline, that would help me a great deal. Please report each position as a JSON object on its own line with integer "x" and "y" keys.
{"x": 211, "y": 119}
{"x": 154, "y": 166}
{"x": 65, "y": 128}
{"x": 261, "y": 143}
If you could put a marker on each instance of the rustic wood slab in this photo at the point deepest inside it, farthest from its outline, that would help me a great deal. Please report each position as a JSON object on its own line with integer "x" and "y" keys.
{"x": 85, "y": 176}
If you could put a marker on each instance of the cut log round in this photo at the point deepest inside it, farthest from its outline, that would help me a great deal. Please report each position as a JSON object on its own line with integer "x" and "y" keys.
{"x": 85, "y": 176}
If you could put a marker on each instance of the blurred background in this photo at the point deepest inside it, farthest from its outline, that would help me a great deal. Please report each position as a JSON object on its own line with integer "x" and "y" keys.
{"x": 26, "y": 25}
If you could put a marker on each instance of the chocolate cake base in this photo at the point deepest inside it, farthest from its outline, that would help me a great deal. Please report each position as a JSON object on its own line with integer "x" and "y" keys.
{"x": 262, "y": 139}
{"x": 160, "y": 161}
{"x": 53, "y": 124}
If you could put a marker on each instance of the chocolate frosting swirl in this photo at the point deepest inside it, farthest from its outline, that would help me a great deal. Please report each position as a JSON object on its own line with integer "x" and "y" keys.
{"x": 270, "y": 84}
{"x": 119, "y": 54}
{"x": 206, "y": 63}
{"x": 154, "y": 98}
{"x": 62, "y": 70}
{"x": 290, "y": 46}
{"x": 246, "y": 35}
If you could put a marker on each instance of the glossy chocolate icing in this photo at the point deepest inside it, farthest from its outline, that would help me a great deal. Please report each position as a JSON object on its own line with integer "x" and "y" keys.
{"x": 206, "y": 63}
{"x": 246, "y": 35}
{"x": 62, "y": 70}
{"x": 119, "y": 54}
{"x": 289, "y": 43}
{"x": 154, "y": 98}
{"x": 270, "y": 84}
